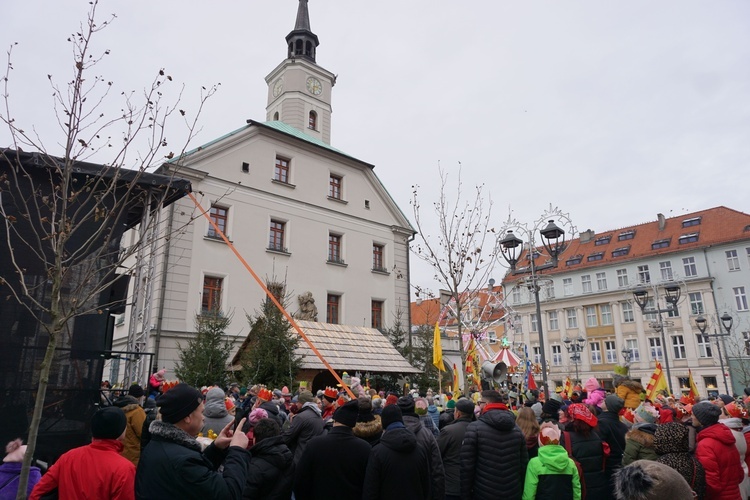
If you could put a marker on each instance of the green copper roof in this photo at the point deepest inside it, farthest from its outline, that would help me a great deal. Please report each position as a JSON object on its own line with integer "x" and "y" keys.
{"x": 288, "y": 129}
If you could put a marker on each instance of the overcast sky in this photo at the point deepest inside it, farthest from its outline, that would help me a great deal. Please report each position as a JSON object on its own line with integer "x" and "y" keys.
{"x": 612, "y": 111}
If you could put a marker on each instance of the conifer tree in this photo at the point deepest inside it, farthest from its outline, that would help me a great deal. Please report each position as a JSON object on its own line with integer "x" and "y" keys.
{"x": 204, "y": 360}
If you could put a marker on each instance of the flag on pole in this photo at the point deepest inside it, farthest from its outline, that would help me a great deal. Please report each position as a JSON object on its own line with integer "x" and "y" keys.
{"x": 437, "y": 350}
{"x": 531, "y": 384}
{"x": 693, "y": 394}
{"x": 472, "y": 360}
{"x": 657, "y": 383}
{"x": 455, "y": 382}
{"x": 568, "y": 387}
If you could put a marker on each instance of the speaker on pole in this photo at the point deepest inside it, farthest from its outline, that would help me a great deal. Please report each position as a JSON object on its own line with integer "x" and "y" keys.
{"x": 492, "y": 371}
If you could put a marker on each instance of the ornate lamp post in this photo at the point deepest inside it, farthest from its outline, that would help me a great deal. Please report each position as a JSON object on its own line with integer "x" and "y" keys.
{"x": 726, "y": 322}
{"x": 672, "y": 296}
{"x": 574, "y": 348}
{"x": 553, "y": 241}
{"x": 627, "y": 355}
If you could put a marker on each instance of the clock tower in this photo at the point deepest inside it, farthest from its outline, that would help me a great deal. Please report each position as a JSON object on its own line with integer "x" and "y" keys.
{"x": 299, "y": 91}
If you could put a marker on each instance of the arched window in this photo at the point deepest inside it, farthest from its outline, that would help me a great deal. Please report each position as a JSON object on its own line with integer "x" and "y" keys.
{"x": 308, "y": 49}
{"x": 312, "y": 122}
{"x": 276, "y": 116}
{"x": 298, "y": 47}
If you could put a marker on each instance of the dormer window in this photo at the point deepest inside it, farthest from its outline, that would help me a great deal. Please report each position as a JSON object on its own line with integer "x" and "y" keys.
{"x": 576, "y": 259}
{"x": 595, "y": 256}
{"x": 626, "y": 235}
{"x": 689, "y": 238}
{"x": 603, "y": 240}
{"x": 660, "y": 243}
{"x": 695, "y": 221}
{"x": 619, "y": 252}
{"x": 312, "y": 121}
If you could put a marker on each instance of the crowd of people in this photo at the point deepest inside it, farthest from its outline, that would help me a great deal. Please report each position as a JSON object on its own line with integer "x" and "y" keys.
{"x": 262, "y": 443}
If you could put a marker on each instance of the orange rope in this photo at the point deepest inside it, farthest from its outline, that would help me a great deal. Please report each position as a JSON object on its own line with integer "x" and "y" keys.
{"x": 271, "y": 296}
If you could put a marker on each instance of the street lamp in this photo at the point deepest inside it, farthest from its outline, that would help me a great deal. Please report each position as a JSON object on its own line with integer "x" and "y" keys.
{"x": 672, "y": 296}
{"x": 726, "y": 322}
{"x": 553, "y": 241}
{"x": 627, "y": 355}
{"x": 574, "y": 347}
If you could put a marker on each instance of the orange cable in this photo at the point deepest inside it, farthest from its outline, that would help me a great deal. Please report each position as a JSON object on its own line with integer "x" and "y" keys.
{"x": 271, "y": 296}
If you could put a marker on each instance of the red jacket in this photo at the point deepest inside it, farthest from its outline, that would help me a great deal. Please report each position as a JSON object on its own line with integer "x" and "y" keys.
{"x": 93, "y": 471}
{"x": 715, "y": 449}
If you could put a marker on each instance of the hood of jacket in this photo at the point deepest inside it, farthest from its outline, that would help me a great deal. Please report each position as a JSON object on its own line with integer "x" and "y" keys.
{"x": 412, "y": 422}
{"x": 554, "y": 456}
{"x": 274, "y": 451}
{"x": 124, "y": 402}
{"x": 641, "y": 437}
{"x": 215, "y": 407}
{"x": 501, "y": 420}
{"x": 733, "y": 423}
{"x": 633, "y": 385}
{"x": 719, "y": 432}
{"x": 164, "y": 431}
{"x": 401, "y": 440}
{"x": 432, "y": 410}
{"x": 271, "y": 408}
{"x": 672, "y": 438}
{"x": 368, "y": 430}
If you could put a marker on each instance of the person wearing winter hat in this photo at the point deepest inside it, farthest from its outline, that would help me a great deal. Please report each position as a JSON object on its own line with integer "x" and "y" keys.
{"x": 587, "y": 447}
{"x": 255, "y": 416}
{"x": 173, "y": 464}
{"x": 10, "y": 471}
{"x": 552, "y": 474}
{"x": 271, "y": 472}
{"x": 305, "y": 425}
{"x": 368, "y": 426}
{"x": 334, "y": 464}
{"x": 215, "y": 413}
{"x": 715, "y": 449}
{"x": 645, "y": 413}
{"x": 612, "y": 431}
{"x": 96, "y": 470}
{"x": 551, "y": 412}
{"x": 397, "y": 468}
{"x": 449, "y": 443}
{"x": 130, "y": 404}
{"x": 672, "y": 444}
{"x": 629, "y": 391}
{"x": 594, "y": 392}
{"x": 649, "y": 480}
{"x": 732, "y": 418}
{"x": 447, "y": 414}
{"x": 155, "y": 382}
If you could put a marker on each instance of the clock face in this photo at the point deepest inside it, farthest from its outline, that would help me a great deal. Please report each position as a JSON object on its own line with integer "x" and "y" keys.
{"x": 314, "y": 86}
{"x": 278, "y": 86}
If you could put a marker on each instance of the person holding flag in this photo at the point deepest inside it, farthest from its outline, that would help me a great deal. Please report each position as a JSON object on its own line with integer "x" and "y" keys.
{"x": 657, "y": 383}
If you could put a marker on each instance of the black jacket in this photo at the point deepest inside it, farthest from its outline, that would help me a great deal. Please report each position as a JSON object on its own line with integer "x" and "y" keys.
{"x": 149, "y": 406}
{"x": 271, "y": 472}
{"x": 332, "y": 466}
{"x": 446, "y": 417}
{"x": 613, "y": 432}
{"x": 427, "y": 442}
{"x": 306, "y": 424}
{"x": 398, "y": 468}
{"x": 172, "y": 466}
{"x": 493, "y": 448}
{"x": 589, "y": 452}
{"x": 449, "y": 443}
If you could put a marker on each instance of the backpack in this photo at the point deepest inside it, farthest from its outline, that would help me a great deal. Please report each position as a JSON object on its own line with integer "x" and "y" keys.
{"x": 569, "y": 449}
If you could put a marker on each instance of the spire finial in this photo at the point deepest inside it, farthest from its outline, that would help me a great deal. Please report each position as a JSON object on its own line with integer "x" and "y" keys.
{"x": 302, "y": 42}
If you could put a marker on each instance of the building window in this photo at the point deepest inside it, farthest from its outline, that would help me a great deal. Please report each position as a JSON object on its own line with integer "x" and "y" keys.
{"x": 281, "y": 171}
{"x": 689, "y": 264}
{"x": 211, "y": 298}
{"x": 711, "y": 386}
{"x": 568, "y": 286}
{"x": 596, "y": 353}
{"x": 695, "y": 221}
{"x": 571, "y": 317}
{"x": 377, "y": 314}
{"x": 696, "y": 303}
{"x": 378, "y": 264}
{"x": 660, "y": 244}
{"x": 626, "y": 235}
{"x": 549, "y": 289}
{"x": 276, "y": 236}
{"x": 619, "y": 252}
{"x": 334, "y": 248}
{"x": 606, "y": 312}
{"x": 219, "y": 216}
{"x": 650, "y": 306}
{"x": 586, "y": 283}
{"x": 603, "y": 240}
{"x": 553, "y": 324}
{"x": 627, "y": 313}
{"x": 333, "y": 302}
{"x": 516, "y": 295}
{"x": 595, "y": 256}
{"x": 622, "y": 278}
{"x": 334, "y": 187}
{"x": 704, "y": 346}
{"x": 688, "y": 238}
{"x": 601, "y": 281}
{"x": 644, "y": 276}
{"x": 678, "y": 345}
{"x": 654, "y": 344}
{"x": 666, "y": 270}
{"x": 733, "y": 260}
{"x": 576, "y": 259}
{"x": 610, "y": 350}
{"x": 746, "y": 338}
{"x": 276, "y": 116}
{"x": 537, "y": 354}
{"x": 632, "y": 346}
{"x": 557, "y": 355}
{"x": 245, "y": 167}
{"x": 591, "y": 319}
{"x": 740, "y": 298}
{"x": 534, "y": 322}
{"x": 312, "y": 121}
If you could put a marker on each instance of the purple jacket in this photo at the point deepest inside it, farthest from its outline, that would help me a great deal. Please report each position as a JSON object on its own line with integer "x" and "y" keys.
{"x": 9, "y": 474}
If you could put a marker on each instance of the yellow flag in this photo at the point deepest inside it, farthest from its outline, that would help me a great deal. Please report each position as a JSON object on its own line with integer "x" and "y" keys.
{"x": 693, "y": 394}
{"x": 455, "y": 382}
{"x": 437, "y": 350}
{"x": 657, "y": 383}
{"x": 568, "y": 387}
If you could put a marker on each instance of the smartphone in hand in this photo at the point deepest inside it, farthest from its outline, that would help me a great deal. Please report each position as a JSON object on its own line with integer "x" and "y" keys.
{"x": 239, "y": 414}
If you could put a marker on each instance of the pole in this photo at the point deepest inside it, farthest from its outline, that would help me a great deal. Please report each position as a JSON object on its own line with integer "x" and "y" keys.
{"x": 576, "y": 359}
{"x": 539, "y": 329}
{"x": 664, "y": 349}
{"x": 721, "y": 362}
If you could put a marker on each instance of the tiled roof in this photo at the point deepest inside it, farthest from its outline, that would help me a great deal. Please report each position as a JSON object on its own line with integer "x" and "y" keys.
{"x": 352, "y": 348}
{"x": 701, "y": 229}
{"x": 428, "y": 311}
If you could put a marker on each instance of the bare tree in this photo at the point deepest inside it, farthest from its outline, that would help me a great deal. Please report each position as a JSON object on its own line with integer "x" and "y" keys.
{"x": 462, "y": 252}
{"x": 63, "y": 218}
{"x": 738, "y": 357}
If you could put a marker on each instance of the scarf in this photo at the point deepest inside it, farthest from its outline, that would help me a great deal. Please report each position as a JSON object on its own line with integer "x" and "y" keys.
{"x": 494, "y": 406}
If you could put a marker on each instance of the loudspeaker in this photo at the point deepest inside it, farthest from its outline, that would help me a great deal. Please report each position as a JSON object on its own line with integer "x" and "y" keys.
{"x": 114, "y": 297}
{"x": 494, "y": 372}
{"x": 92, "y": 335}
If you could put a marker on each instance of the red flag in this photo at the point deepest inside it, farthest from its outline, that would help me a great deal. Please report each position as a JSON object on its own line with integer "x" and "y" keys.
{"x": 532, "y": 383}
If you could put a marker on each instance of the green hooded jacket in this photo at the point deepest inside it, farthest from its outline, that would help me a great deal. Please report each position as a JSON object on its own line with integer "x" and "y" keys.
{"x": 552, "y": 475}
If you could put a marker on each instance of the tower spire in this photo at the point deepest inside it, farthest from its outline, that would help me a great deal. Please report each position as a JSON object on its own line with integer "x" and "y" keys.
{"x": 301, "y": 41}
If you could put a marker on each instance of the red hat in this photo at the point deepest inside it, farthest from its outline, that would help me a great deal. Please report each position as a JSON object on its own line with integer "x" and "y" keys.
{"x": 578, "y": 411}
{"x": 392, "y": 399}
{"x": 228, "y": 403}
{"x": 331, "y": 394}
{"x": 265, "y": 394}
{"x": 736, "y": 411}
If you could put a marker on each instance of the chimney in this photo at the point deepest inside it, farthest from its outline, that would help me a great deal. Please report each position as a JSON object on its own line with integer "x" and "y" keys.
{"x": 662, "y": 221}
{"x": 587, "y": 235}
